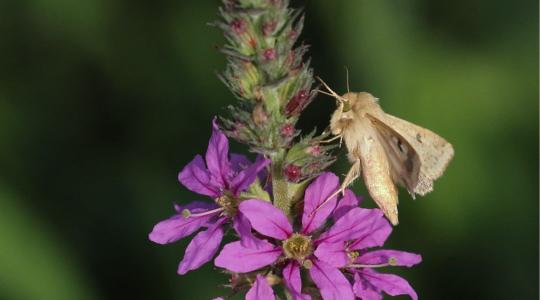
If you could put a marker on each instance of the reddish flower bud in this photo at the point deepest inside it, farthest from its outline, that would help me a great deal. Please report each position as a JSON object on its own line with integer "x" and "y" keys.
{"x": 269, "y": 54}
{"x": 297, "y": 103}
{"x": 238, "y": 26}
{"x": 269, "y": 27}
{"x": 292, "y": 173}
{"x": 314, "y": 150}
{"x": 287, "y": 130}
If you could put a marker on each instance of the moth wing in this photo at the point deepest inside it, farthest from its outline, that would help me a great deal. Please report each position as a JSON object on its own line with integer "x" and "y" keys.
{"x": 434, "y": 153}
{"x": 404, "y": 160}
{"x": 376, "y": 171}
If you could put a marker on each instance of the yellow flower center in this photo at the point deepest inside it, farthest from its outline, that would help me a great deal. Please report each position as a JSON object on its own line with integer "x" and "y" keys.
{"x": 297, "y": 246}
{"x": 229, "y": 204}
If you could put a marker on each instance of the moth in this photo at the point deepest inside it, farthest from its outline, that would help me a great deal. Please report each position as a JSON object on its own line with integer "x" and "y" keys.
{"x": 386, "y": 150}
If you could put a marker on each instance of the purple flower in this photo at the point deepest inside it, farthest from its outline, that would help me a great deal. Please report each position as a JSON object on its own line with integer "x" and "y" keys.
{"x": 260, "y": 290}
{"x": 369, "y": 284}
{"x": 222, "y": 179}
{"x": 333, "y": 257}
{"x": 307, "y": 248}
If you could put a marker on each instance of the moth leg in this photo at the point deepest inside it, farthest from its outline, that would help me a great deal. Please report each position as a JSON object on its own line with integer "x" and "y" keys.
{"x": 352, "y": 175}
{"x": 340, "y": 137}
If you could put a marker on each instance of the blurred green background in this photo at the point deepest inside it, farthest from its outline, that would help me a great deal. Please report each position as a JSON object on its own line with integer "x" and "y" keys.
{"x": 102, "y": 102}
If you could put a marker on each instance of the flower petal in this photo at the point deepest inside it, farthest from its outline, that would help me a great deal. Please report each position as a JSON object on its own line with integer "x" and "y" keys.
{"x": 177, "y": 226}
{"x": 236, "y": 258}
{"x": 239, "y": 162}
{"x": 293, "y": 281}
{"x": 243, "y": 228}
{"x": 375, "y": 236}
{"x": 399, "y": 258}
{"x": 357, "y": 223}
{"x": 217, "y": 155}
{"x": 260, "y": 290}
{"x": 364, "y": 290}
{"x": 202, "y": 248}
{"x": 196, "y": 178}
{"x": 345, "y": 204}
{"x": 333, "y": 254}
{"x": 391, "y": 284}
{"x": 331, "y": 282}
{"x": 266, "y": 218}
{"x": 316, "y": 193}
{"x": 248, "y": 175}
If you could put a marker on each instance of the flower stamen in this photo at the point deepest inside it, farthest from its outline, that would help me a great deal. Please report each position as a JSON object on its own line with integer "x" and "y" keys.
{"x": 186, "y": 213}
{"x": 228, "y": 203}
{"x": 298, "y": 247}
{"x": 392, "y": 261}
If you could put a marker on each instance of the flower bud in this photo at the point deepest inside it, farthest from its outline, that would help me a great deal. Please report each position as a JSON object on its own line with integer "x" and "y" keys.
{"x": 287, "y": 130}
{"x": 238, "y": 26}
{"x": 297, "y": 103}
{"x": 269, "y": 54}
{"x": 292, "y": 172}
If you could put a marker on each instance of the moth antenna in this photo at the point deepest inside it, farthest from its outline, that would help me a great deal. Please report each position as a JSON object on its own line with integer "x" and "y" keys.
{"x": 333, "y": 94}
{"x": 326, "y": 93}
{"x": 347, "y": 74}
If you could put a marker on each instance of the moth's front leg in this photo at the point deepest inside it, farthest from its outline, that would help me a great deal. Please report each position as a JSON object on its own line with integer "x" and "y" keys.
{"x": 352, "y": 175}
{"x": 332, "y": 139}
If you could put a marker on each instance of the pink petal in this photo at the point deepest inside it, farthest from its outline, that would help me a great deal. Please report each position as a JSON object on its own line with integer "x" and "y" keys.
{"x": 246, "y": 177}
{"x": 375, "y": 236}
{"x": 217, "y": 155}
{"x": 345, "y": 204}
{"x": 177, "y": 227}
{"x": 400, "y": 258}
{"x": 357, "y": 223}
{"x": 236, "y": 258}
{"x": 202, "y": 248}
{"x": 316, "y": 193}
{"x": 196, "y": 178}
{"x": 333, "y": 254}
{"x": 365, "y": 290}
{"x": 260, "y": 290}
{"x": 391, "y": 284}
{"x": 239, "y": 162}
{"x": 266, "y": 218}
{"x": 293, "y": 281}
{"x": 243, "y": 228}
{"x": 332, "y": 284}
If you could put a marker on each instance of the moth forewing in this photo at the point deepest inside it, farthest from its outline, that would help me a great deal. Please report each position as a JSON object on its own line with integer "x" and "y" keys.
{"x": 376, "y": 171}
{"x": 403, "y": 158}
{"x": 433, "y": 151}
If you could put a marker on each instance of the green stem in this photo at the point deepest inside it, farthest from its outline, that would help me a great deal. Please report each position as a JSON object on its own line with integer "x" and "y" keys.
{"x": 279, "y": 184}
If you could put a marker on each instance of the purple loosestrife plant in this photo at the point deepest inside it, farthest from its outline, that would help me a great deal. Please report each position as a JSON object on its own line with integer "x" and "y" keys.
{"x": 222, "y": 179}
{"x": 285, "y": 243}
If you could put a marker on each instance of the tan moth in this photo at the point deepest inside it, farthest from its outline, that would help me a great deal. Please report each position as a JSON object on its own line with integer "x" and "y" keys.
{"x": 386, "y": 150}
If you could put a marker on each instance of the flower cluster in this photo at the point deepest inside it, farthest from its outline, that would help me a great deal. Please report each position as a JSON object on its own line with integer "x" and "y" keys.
{"x": 330, "y": 243}
{"x": 292, "y": 236}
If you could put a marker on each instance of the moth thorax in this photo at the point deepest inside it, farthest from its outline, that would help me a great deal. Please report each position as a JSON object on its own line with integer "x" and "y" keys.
{"x": 298, "y": 246}
{"x": 228, "y": 203}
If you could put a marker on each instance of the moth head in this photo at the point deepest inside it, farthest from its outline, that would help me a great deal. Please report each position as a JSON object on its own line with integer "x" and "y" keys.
{"x": 342, "y": 117}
